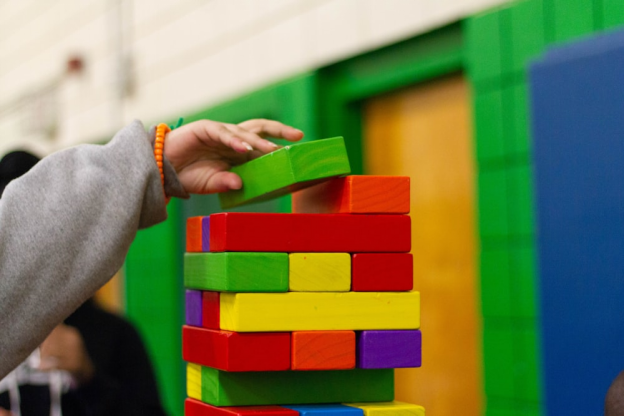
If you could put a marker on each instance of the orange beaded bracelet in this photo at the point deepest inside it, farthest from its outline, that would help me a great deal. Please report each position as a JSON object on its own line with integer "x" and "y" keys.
{"x": 159, "y": 145}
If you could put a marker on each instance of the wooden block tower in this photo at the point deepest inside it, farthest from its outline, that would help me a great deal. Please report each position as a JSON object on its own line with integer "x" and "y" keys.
{"x": 305, "y": 313}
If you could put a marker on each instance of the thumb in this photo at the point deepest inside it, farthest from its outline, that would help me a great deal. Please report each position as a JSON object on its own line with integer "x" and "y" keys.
{"x": 223, "y": 181}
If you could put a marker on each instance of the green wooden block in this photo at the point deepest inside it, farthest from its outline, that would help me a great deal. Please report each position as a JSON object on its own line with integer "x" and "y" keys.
{"x": 495, "y": 283}
{"x": 498, "y": 358}
{"x": 221, "y": 388}
{"x": 288, "y": 169}
{"x": 483, "y": 45}
{"x": 516, "y": 119}
{"x": 527, "y": 27}
{"x": 520, "y": 201}
{"x": 236, "y": 271}
{"x": 573, "y": 18}
{"x": 492, "y": 197}
{"x": 527, "y": 362}
{"x": 523, "y": 279}
{"x": 612, "y": 13}
{"x": 489, "y": 128}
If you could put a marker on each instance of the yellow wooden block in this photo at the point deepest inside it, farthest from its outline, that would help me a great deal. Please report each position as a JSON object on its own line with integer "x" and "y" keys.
{"x": 268, "y": 312}
{"x": 193, "y": 381}
{"x": 392, "y": 408}
{"x": 319, "y": 272}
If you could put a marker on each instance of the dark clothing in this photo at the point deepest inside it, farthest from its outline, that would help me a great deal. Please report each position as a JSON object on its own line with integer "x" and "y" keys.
{"x": 124, "y": 381}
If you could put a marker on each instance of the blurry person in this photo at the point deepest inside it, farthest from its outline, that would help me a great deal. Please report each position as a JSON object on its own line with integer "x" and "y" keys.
{"x": 614, "y": 400}
{"x": 93, "y": 364}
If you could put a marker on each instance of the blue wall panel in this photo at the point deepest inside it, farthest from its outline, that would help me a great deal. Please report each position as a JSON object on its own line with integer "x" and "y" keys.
{"x": 578, "y": 123}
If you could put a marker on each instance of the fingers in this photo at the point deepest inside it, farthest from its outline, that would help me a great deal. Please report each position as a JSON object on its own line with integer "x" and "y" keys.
{"x": 214, "y": 131}
{"x": 264, "y": 127}
{"x": 233, "y": 136}
{"x": 209, "y": 176}
{"x": 253, "y": 139}
{"x": 224, "y": 181}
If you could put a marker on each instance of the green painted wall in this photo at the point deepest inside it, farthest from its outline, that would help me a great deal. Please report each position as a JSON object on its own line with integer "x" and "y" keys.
{"x": 154, "y": 301}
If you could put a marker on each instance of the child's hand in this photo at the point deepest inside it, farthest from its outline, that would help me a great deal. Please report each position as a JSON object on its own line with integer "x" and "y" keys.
{"x": 202, "y": 152}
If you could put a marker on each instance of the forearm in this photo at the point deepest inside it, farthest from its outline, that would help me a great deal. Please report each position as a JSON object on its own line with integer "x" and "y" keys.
{"x": 65, "y": 229}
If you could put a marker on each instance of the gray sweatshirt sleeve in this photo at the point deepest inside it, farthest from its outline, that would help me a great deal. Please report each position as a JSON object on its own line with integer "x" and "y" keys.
{"x": 65, "y": 229}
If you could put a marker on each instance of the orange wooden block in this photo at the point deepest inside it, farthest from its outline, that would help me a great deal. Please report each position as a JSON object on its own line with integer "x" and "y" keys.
{"x": 323, "y": 350}
{"x": 194, "y": 234}
{"x": 356, "y": 194}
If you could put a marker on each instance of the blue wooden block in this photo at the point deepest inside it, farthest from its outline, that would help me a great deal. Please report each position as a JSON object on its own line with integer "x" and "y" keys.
{"x": 326, "y": 410}
{"x": 578, "y": 113}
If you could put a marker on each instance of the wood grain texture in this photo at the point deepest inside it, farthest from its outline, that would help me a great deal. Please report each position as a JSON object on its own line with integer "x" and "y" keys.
{"x": 292, "y": 311}
{"x": 197, "y": 408}
{"x": 323, "y": 350}
{"x": 382, "y": 272}
{"x": 355, "y": 194}
{"x": 236, "y": 352}
{"x": 378, "y": 349}
{"x": 197, "y": 234}
{"x": 425, "y": 133}
{"x": 392, "y": 408}
{"x": 211, "y": 310}
{"x": 326, "y": 410}
{"x": 236, "y": 271}
{"x": 269, "y": 232}
{"x": 193, "y": 307}
{"x": 288, "y": 169}
{"x": 193, "y": 380}
{"x": 319, "y": 272}
{"x": 222, "y": 388}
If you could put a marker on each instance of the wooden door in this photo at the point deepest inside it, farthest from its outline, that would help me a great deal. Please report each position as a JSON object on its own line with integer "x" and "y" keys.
{"x": 425, "y": 132}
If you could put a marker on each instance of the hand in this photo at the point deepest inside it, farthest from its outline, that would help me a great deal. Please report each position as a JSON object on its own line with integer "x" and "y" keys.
{"x": 4, "y": 412}
{"x": 202, "y": 152}
{"x": 64, "y": 349}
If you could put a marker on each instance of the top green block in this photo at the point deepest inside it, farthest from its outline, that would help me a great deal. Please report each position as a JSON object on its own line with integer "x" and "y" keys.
{"x": 288, "y": 169}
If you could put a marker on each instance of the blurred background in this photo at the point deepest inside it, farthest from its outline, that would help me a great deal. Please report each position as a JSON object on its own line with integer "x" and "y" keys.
{"x": 439, "y": 90}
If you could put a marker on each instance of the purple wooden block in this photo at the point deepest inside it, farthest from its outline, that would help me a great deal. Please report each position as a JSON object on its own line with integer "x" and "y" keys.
{"x": 194, "y": 308}
{"x": 389, "y": 349}
{"x": 206, "y": 234}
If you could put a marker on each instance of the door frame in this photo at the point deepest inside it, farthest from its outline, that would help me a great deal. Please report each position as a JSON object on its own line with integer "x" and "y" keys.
{"x": 344, "y": 86}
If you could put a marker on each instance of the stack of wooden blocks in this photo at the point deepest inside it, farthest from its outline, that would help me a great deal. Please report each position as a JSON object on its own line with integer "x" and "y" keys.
{"x": 305, "y": 313}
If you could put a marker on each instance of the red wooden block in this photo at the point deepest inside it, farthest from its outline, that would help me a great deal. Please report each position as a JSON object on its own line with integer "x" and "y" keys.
{"x": 382, "y": 272}
{"x": 269, "y": 232}
{"x": 236, "y": 352}
{"x": 197, "y": 408}
{"x": 323, "y": 350}
{"x": 211, "y": 310}
{"x": 194, "y": 234}
{"x": 355, "y": 194}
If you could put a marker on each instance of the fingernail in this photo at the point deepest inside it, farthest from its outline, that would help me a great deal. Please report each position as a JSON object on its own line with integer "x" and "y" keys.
{"x": 275, "y": 145}
{"x": 248, "y": 146}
